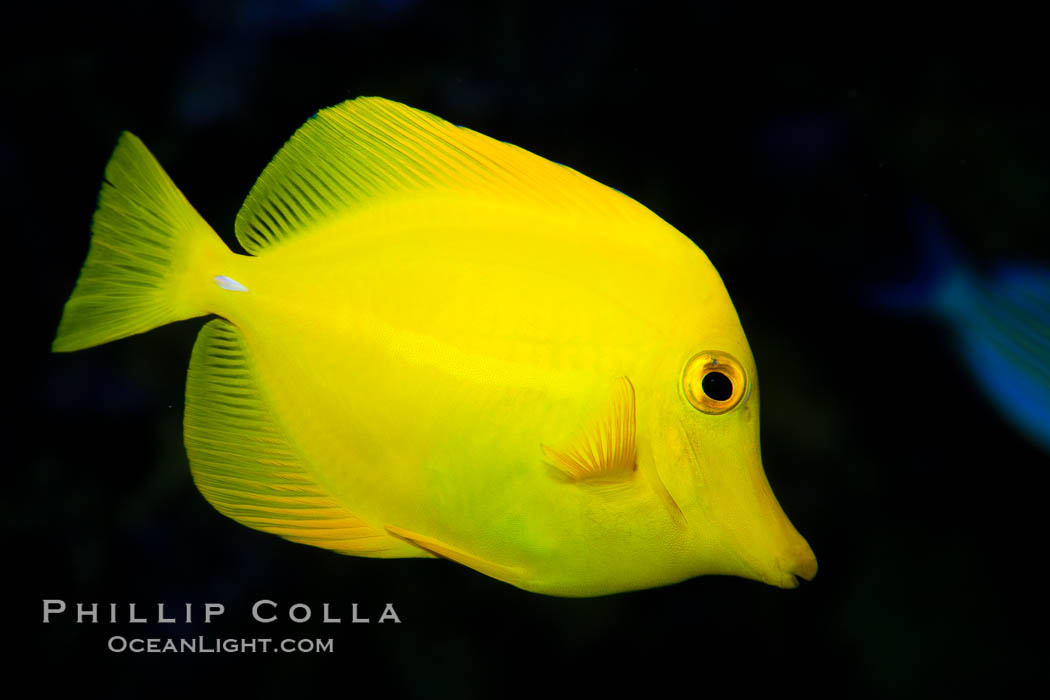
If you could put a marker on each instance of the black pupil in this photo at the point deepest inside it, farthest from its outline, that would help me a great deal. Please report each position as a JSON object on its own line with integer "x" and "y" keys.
{"x": 717, "y": 386}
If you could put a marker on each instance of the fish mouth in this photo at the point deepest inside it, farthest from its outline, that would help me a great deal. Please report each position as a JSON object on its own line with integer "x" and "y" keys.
{"x": 785, "y": 572}
{"x": 789, "y": 573}
{"x": 783, "y": 567}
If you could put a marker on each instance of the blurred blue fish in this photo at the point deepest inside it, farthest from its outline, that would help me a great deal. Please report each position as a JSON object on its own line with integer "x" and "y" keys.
{"x": 1001, "y": 322}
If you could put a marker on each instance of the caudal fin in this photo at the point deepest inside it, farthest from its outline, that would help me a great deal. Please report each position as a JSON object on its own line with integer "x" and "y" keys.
{"x": 146, "y": 239}
{"x": 940, "y": 270}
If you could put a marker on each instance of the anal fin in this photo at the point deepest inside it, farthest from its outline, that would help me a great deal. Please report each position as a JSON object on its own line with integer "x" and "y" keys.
{"x": 244, "y": 464}
{"x": 509, "y": 574}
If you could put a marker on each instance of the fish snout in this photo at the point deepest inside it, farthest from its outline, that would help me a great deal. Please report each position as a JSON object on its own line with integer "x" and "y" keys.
{"x": 798, "y": 562}
{"x": 770, "y": 547}
{"x": 777, "y": 555}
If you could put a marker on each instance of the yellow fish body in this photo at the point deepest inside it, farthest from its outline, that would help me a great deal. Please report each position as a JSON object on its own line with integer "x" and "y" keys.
{"x": 443, "y": 345}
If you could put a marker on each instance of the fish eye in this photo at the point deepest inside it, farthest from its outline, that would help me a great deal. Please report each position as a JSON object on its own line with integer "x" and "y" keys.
{"x": 714, "y": 382}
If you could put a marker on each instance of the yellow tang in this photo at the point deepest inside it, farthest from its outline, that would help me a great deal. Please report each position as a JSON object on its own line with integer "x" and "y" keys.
{"x": 443, "y": 345}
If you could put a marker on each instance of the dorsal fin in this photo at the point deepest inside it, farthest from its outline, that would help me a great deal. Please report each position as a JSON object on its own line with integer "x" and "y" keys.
{"x": 370, "y": 149}
{"x": 605, "y": 449}
{"x": 245, "y": 466}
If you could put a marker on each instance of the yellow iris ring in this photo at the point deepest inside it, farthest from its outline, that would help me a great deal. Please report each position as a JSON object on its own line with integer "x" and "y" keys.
{"x": 704, "y": 364}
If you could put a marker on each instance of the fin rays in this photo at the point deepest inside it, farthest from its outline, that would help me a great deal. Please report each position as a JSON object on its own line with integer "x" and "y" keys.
{"x": 244, "y": 466}
{"x": 510, "y": 574}
{"x": 145, "y": 236}
{"x": 606, "y": 449}
{"x": 367, "y": 149}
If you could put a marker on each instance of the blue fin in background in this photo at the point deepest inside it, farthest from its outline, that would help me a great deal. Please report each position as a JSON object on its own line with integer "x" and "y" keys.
{"x": 1000, "y": 322}
{"x": 1006, "y": 343}
{"x": 942, "y": 273}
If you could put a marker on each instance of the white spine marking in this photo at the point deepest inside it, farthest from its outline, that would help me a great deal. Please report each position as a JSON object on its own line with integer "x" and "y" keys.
{"x": 229, "y": 283}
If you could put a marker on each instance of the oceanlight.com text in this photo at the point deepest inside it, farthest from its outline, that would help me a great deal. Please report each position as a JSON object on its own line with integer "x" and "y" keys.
{"x": 213, "y": 645}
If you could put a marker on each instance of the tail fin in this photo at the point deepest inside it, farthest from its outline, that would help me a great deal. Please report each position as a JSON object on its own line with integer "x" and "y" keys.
{"x": 145, "y": 239}
{"x": 941, "y": 268}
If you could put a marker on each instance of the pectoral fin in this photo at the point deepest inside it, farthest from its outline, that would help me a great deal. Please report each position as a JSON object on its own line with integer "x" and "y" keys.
{"x": 605, "y": 449}
{"x": 604, "y": 456}
{"x": 510, "y": 574}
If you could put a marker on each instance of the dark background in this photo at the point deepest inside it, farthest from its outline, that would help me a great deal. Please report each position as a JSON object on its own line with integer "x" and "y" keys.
{"x": 789, "y": 145}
